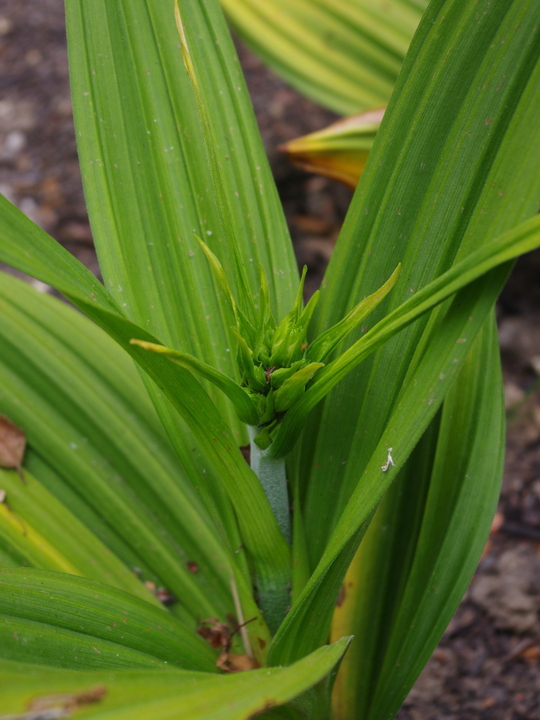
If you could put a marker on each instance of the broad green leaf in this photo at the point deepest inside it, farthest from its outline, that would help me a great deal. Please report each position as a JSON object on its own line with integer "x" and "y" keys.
{"x": 220, "y": 187}
{"x": 71, "y": 622}
{"x": 300, "y": 557}
{"x": 345, "y": 54}
{"x": 450, "y": 161}
{"x": 339, "y": 151}
{"x": 35, "y": 525}
{"x": 147, "y": 178}
{"x": 416, "y": 406}
{"x": 27, "y": 247}
{"x": 423, "y": 544}
{"x": 521, "y": 239}
{"x": 465, "y": 188}
{"x": 138, "y": 695}
{"x": 149, "y": 189}
{"x": 86, "y": 412}
{"x": 123, "y": 482}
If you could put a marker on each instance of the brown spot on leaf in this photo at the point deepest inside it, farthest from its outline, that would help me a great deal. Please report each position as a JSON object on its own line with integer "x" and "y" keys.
{"x": 68, "y": 702}
{"x": 12, "y": 445}
{"x": 262, "y": 643}
{"x": 192, "y": 566}
{"x": 341, "y": 597}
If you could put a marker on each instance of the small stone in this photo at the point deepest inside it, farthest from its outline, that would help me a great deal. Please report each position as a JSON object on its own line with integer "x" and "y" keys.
{"x": 13, "y": 144}
{"x": 33, "y": 57}
{"x": 510, "y": 595}
{"x": 5, "y": 25}
{"x": 535, "y": 363}
{"x": 16, "y": 115}
{"x": 535, "y": 487}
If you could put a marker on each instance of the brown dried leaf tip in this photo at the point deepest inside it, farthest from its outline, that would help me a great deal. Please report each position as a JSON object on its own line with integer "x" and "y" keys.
{"x": 219, "y": 635}
{"x": 12, "y": 445}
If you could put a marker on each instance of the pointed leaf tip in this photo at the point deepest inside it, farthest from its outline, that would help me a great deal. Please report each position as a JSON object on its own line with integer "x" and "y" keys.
{"x": 327, "y": 342}
{"x": 243, "y": 404}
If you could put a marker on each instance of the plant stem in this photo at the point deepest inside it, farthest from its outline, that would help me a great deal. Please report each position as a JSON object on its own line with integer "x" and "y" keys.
{"x": 272, "y": 476}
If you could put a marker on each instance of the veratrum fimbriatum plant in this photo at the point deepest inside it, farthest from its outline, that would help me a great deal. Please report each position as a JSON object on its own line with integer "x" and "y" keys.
{"x": 147, "y": 571}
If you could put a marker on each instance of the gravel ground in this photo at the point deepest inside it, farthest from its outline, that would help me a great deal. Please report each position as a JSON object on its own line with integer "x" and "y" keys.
{"x": 487, "y": 664}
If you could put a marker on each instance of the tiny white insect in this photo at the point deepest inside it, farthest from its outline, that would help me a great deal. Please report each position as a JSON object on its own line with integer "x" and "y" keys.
{"x": 389, "y": 461}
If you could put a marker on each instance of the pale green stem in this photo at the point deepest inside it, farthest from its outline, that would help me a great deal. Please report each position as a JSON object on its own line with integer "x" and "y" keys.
{"x": 272, "y": 476}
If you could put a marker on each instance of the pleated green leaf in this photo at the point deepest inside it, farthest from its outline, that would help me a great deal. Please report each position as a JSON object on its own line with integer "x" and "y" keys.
{"x": 521, "y": 239}
{"x": 415, "y": 408}
{"x": 70, "y": 622}
{"x": 345, "y": 54}
{"x": 138, "y": 695}
{"x": 149, "y": 190}
{"x": 423, "y": 545}
{"x": 450, "y": 171}
{"x": 97, "y": 446}
{"x": 30, "y": 249}
{"x": 85, "y": 412}
{"x": 39, "y": 530}
{"x": 147, "y": 178}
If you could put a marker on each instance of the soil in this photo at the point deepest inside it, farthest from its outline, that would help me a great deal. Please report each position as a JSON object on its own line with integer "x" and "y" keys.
{"x": 487, "y": 664}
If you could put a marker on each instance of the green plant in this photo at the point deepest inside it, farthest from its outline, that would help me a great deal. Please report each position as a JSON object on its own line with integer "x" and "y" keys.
{"x": 393, "y": 448}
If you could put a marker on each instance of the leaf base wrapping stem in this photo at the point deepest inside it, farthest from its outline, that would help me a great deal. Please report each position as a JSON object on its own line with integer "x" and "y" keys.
{"x": 274, "y": 598}
{"x": 272, "y": 476}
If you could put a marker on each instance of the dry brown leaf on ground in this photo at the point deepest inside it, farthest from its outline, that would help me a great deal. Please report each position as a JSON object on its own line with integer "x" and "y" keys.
{"x": 220, "y": 635}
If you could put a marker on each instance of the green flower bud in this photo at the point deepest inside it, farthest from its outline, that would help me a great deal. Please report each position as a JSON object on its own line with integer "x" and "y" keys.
{"x": 293, "y": 388}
